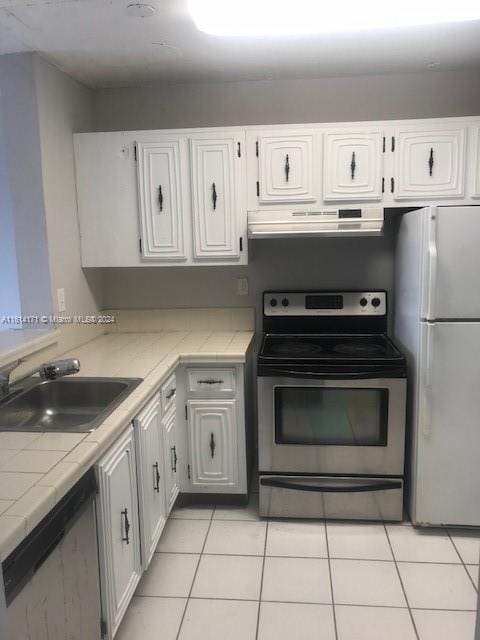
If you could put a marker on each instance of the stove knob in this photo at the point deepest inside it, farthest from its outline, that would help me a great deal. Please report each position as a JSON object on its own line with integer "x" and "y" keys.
{"x": 376, "y": 302}
{"x": 273, "y": 302}
{"x": 363, "y": 302}
{"x": 285, "y": 302}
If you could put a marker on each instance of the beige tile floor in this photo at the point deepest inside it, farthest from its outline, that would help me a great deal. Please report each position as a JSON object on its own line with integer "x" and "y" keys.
{"x": 222, "y": 573}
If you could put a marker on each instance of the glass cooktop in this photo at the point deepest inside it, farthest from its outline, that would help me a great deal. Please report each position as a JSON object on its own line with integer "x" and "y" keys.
{"x": 327, "y": 347}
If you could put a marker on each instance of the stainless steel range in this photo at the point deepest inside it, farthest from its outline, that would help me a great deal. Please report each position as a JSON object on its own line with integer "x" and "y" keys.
{"x": 331, "y": 407}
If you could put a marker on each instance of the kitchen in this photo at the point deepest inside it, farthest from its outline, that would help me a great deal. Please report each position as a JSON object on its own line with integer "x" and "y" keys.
{"x": 163, "y": 195}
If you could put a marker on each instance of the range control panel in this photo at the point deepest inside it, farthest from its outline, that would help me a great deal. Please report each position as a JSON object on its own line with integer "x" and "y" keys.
{"x": 325, "y": 303}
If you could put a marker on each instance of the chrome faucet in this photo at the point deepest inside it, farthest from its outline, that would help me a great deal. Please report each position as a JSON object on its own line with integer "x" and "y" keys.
{"x": 5, "y": 372}
{"x": 59, "y": 368}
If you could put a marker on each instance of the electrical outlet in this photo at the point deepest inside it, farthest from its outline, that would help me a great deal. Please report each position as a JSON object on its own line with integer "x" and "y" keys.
{"x": 61, "y": 300}
{"x": 242, "y": 286}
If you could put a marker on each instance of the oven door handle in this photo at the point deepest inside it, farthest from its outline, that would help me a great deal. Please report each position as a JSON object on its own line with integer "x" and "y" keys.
{"x": 333, "y": 486}
{"x": 332, "y": 375}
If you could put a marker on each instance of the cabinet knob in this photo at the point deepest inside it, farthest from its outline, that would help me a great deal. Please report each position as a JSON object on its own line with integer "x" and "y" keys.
{"x": 156, "y": 484}
{"x": 212, "y": 445}
{"x": 214, "y": 196}
{"x": 126, "y": 537}
{"x": 160, "y": 197}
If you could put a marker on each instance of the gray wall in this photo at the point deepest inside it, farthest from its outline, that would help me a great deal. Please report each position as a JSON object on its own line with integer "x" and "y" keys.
{"x": 274, "y": 264}
{"x": 23, "y": 165}
{"x": 410, "y": 95}
{"x": 9, "y": 290}
{"x": 64, "y": 107}
{"x": 294, "y": 264}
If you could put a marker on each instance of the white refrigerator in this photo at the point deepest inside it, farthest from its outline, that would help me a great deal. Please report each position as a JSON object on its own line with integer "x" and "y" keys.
{"x": 437, "y": 323}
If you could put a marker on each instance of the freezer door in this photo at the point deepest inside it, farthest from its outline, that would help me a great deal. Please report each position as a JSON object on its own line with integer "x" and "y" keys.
{"x": 446, "y": 472}
{"x": 452, "y": 264}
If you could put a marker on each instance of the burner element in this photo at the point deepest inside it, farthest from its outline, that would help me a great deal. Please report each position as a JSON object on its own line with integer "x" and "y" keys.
{"x": 296, "y": 349}
{"x": 359, "y": 349}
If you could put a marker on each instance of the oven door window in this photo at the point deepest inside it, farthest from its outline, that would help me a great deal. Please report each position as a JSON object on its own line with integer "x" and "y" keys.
{"x": 331, "y": 416}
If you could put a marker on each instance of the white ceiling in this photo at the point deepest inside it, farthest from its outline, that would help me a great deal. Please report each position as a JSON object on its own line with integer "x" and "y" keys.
{"x": 97, "y": 43}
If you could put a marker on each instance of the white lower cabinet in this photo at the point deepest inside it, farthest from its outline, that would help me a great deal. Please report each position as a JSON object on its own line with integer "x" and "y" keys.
{"x": 151, "y": 477}
{"x": 216, "y": 426}
{"x": 118, "y": 528}
{"x": 141, "y": 475}
{"x": 212, "y": 439}
{"x": 171, "y": 459}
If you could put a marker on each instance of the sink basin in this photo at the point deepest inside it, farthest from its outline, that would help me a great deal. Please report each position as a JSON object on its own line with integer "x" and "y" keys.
{"x": 67, "y": 404}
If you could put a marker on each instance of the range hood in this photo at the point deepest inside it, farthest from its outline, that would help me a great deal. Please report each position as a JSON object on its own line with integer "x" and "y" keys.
{"x": 321, "y": 223}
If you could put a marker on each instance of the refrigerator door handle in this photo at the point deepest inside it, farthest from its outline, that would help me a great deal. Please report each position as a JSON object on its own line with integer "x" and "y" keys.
{"x": 427, "y": 407}
{"x": 432, "y": 253}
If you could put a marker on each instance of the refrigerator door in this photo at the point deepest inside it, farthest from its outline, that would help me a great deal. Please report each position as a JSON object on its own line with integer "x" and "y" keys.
{"x": 451, "y": 264}
{"x": 446, "y": 472}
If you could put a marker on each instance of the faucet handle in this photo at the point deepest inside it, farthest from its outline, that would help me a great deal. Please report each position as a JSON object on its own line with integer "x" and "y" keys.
{"x": 59, "y": 368}
{"x": 7, "y": 369}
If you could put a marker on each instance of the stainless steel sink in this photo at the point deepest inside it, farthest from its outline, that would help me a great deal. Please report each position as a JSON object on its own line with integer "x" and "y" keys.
{"x": 68, "y": 404}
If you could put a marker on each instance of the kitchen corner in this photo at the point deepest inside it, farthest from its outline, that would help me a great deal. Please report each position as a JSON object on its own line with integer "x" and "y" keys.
{"x": 36, "y": 470}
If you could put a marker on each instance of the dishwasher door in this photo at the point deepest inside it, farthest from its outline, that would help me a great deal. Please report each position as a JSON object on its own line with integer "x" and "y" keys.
{"x": 59, "y": 597}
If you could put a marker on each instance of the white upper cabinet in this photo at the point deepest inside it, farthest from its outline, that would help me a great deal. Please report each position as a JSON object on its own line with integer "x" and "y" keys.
{"x": 286, "y": 168}
{"x": 212, "y": 429}
{"x": 218, "y": 196}
{"x": 429, "y": 163}
{"x": 163, "y": 198}
{"x": 476, "y": 163}
{"x": 353, "y": 165}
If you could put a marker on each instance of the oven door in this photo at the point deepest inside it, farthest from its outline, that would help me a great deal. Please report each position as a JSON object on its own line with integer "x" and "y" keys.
{"x": 331, "y": 426}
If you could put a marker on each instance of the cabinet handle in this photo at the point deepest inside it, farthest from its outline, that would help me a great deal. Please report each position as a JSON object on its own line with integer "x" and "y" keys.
{"x": 431, "y": 162}
{"x": 160, "y": 197}
{"x": 353, "y": 165}
{"x": 156, "y": 484}
{"x": 212, "y": 445}
{"x": 174, "y": 459}
{"x": 214, "y": 196}
{"x": 170, "y": 394}
{"x": 239, "y": 150}
{"x": 127, "y": 527}
{"x": 210, "y": 381}
{"x": 287, "y": 167}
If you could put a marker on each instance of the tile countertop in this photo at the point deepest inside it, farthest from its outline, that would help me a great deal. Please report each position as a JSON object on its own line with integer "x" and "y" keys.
{"x": 37, "y": 469}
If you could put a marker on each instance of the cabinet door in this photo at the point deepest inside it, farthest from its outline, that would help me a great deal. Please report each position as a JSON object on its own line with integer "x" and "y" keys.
{"x": 118, "y": 527}
{"x": 218, "y": 198}
{"x": 151, "y": 478}
{"x": 286, "y": 168}
{"x": 476, "y": 163}
{"x": 429, "y": 164}
{"x": 212, "y": 433}
{"x": 171, "y": 459}
{"x": 163, "y": 197}
{"x": 353, "y": 166}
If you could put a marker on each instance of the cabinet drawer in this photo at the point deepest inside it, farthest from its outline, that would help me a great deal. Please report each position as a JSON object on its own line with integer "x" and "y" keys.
{"x": 168, "y": 394}
{"x": 211, "y": 382}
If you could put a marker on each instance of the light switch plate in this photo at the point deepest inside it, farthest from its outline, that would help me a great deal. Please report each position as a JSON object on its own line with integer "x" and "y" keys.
{"x": 242, "y": 286}
{"x": 61, "y": 305}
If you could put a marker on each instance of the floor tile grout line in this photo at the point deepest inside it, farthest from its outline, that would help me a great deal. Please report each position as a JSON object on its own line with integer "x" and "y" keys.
{"x": 313, "y": 604}
{"x": 331, "y": 581}
{"x": 261, "y": 582}
{"x": 351, "y": 559}
{"x": 461, "y": 560}
{"x": 417, "y": 635}
{"x": 195, "y": 575}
